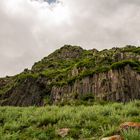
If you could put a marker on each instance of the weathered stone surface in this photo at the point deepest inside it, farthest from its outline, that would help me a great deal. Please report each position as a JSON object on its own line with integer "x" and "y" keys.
{"x": 128, "y": 125}
{"x": 55, "y": 73}
{"x": 115, "y": 85}
{"x": 29, "y": 92}
{"x": 116, "y": 137}
{"x": 67, "y": 52}
{"x": 63, "y": 132}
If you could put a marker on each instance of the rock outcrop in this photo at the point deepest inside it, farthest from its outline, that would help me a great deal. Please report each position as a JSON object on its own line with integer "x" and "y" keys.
{"x": 115, "y": 85}
{"x": 130, "y": 125}
{"x": 116, "y": 137}
{"x": 63, "y": 132}
{"x": 28, "y": 92}
{"x": 72, "y": 73}
{"x": 124, "y": 127}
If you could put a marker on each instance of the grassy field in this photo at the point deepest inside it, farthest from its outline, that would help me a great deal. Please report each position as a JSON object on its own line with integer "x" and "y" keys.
{"x": 85, "y": 122}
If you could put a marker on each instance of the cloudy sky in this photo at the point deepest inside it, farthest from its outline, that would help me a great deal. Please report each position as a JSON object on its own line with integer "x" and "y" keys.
{"x": 31, "y": 29}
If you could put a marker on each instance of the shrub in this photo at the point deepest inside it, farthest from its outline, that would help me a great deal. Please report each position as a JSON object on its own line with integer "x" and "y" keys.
{"x": 122, "y": 64}
{"x": 87, "y": 97}
{"x": 24, "y": 76}
{"x": 102, "y": 69}
{"x": 87, "y": 62}
{"x": 137, "y": 50}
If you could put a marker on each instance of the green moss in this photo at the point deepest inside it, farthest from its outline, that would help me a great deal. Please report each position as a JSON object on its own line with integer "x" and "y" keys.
{"x": 5, "y": 89}
{"x": 122, "y": 64}
{"x": 86, "y": 73}
{"x": 91, "y": 72}
{"x": 128, "y": 48}
{"x": 57, "y": 75}
{"x": 87, "y": 62}
{"x": 132, "y": 49}
{"x": 10, "y": 84}
{"x": 87, "y": 54}
{"x": 72, "y": 80}
{"x": 87, "y": 97}
{"x": 137, "y": 50}
{"x": 102, "y": 69}
{"x": 24, "y": 76}
{"x": 58, "y": 84}
{"x": 50, "y": 73}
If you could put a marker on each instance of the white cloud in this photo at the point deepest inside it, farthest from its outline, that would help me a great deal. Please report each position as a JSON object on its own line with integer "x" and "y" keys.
{"x": 30, "y": 30}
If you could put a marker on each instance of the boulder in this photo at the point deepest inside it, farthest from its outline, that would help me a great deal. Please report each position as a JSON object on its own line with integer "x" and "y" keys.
{"x": 116, "y": 137}
{"x": 63, "y": 132}
{"x": 128, "y": 125}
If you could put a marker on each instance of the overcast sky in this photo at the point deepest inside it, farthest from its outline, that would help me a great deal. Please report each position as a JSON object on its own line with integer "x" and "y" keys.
{"x": 31, "y": 29}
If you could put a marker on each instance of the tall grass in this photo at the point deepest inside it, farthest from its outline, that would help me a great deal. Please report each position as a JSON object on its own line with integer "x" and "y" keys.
{"x": 131, "y": 134}
{"x": 84, "y": 122}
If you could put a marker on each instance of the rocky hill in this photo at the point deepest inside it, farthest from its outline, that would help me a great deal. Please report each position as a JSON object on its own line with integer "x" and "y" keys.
{"x": 72, "y": 73}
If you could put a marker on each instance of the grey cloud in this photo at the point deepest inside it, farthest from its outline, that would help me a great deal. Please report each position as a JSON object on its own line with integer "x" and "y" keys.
{"x": 30, "y": 33}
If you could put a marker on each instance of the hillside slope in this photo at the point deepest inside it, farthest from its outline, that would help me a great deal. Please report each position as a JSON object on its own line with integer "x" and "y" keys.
{"x": 72, "y": 73}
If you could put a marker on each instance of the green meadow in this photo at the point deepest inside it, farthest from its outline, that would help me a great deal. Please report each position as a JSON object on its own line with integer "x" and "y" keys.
{"x": 85, "y": 122}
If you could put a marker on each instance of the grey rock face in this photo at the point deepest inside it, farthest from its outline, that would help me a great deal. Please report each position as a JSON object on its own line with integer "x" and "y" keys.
{"x": 28, "y": 93}
{"x": 72, "y": 72}
{"x": 116, "y": 85}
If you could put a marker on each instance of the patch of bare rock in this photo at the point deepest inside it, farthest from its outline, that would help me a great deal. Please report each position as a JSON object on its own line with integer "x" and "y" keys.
{"x": 123, "y": 126}
{"x": 63, "y": 132}
{"x": 116, "y": 137}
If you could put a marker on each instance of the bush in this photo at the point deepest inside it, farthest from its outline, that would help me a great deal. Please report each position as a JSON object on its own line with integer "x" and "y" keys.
{"x": 24, "y": 76}
{"x": 87, "y": 97}
{"x": 137, "y": 50}
{"x": 87, "y": 62}
{"x": 122, "y": 64}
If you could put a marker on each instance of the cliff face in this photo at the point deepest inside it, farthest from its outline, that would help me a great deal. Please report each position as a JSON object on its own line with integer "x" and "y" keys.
{"x": 72, "y": 73}
{"x": 29, "y": 92}
{"x": 115, "y": 85}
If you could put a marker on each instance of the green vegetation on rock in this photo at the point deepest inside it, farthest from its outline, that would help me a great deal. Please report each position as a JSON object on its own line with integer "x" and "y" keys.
{"x": 59, "y": 65}
{"x": 69, "y": 65}
{"x": 122, "y": 64}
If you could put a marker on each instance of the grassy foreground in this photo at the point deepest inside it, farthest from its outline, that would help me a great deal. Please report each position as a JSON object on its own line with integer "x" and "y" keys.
{"x": 84, "y": 122}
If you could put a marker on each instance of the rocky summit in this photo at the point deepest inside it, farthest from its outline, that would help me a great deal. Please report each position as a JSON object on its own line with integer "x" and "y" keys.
{"x": 73, "y": 74}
